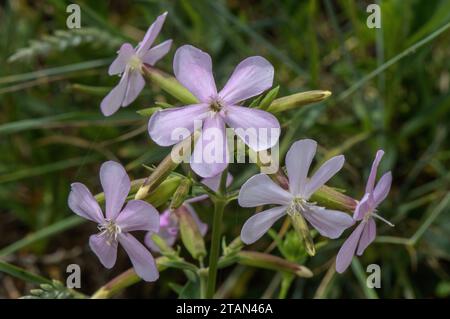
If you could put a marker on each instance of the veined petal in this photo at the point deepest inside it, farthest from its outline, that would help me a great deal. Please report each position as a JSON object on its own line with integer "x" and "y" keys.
{"x": 106, "y": 252}
{"x": 142, "y": 260}
{"x": 251, "y": 77}
{"x": 210, "y": 156}
{"x": 259, "y": 129}
{"x": 347, "y": 251}
{"x": 116, "y": 186}
{"x": 261, "y": 190}
{"x": 157, "y": 52}
{"x": 382, "y": 189}
{"x": 368, "y": 236}
{"x": 373, "y": 172}
{"x": 112, "y": 102}
{"x": 166, "y": 126}
{"x": 329, "y": 223}
{"x": 138, "y": 215}
{"x": 125, "y": 52}
{"x": 82, "y": 203}
{"x": 323, "y": 174}
{"x": 136, "y": 83}
{"x": 193, "y": 69}
{"x": 257, "y": 225}
{"x": 298, "y": 162}
{"x": 213, "y": 183}
{"x": 151, "y": 35}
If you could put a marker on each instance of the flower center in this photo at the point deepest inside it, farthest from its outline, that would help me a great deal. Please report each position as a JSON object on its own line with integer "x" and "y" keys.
{"x": 135, "y": 62}
{"x": 216, "y": 104}
{"x": 110, "y": 230}
{"x": 298, "y": 205}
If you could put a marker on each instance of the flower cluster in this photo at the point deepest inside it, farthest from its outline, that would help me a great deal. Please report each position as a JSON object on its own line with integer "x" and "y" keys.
{"x": 217, "y": 109}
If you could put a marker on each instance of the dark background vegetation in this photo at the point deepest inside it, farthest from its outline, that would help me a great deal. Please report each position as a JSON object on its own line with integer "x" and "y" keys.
{"x": 52, "y": 132}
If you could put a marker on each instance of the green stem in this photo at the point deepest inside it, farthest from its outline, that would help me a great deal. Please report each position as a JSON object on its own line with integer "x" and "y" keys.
{"x": 219, "y": 205}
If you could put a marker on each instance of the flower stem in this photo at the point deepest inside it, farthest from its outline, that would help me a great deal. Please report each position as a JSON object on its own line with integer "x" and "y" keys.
{"x": 219, "y": 205}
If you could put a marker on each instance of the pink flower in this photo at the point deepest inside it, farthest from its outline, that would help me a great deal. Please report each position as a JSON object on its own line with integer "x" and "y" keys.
{"x": 260, "y": 130}
{"x": 128, "y": 65}
{"x": 261, "y": 190}
{"x": 119, "y": 222}
{"x": 365, "y": 212}
{"x": 168, "y": 221}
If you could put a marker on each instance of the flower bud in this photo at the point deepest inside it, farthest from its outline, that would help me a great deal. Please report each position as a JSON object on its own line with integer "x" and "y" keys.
{"x": 266, "y": 261}
{"x": 301, "y": 227}
{"x": 165, "y": 249}
{"x": 164, "y": 191}
{"x": 332, "y": 199}
{"x": 190, "y": 233}
{"x": 296, "y": 100}
{"x": 166, "y": 166}
{"x": 169, "y": 85}
{"x": 180, "y": 194}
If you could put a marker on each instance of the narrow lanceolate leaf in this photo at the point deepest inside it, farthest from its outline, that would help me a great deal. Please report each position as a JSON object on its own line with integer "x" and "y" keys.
{"x": 266, "y": 261}
{"x": 170, "y": 85}
{"x": 297, "y": 100}
{"x": 190, "y": 234}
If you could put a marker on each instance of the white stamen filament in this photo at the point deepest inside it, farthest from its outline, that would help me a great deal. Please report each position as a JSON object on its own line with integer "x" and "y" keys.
{"x": 135, "y": 62}
{"x": 382, "y": 219}
{"x": 110, "y": 230}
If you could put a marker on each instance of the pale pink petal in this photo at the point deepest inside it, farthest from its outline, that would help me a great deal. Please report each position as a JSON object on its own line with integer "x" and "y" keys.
{"x": 210, "y": 156}
{"x": 202, "y": 227}
{"x": 213, "y": 182}
{"x": 373, "y": 172}
{"x": 329, "y": 223}
{"x": 125, "y": 53}
{"x": 151, "y": 35}
{"x": 82, "y": 203}
{"x": 106, "y": 252}
{"x": 116, "y": 186}
{"x": 251, "y": 77}
{"x": 156, "y": 53}
{"x": 136, "y": 83}
{"x": 193, "y": 69}
{"x": 382, "y": 189}
{"x": 112, "y": 102}
{"x": 362, "y": 208}
{"x": 368, "y": 236}
{"x": 323, "y": 174}
{"x": 347, "y": 251}
{"x": 143, "y": 263}
{"x": 261, "y": 190}
{"x": 259, "y": 129}
{"x": 166, "y": 127}
{"x": 257, "y": 225}
{"x": 298, "y": 162}
{"x": 138, "y": 215}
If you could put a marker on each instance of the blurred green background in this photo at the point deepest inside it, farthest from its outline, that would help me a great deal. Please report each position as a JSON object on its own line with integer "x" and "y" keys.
{"x": 390, "y": 90}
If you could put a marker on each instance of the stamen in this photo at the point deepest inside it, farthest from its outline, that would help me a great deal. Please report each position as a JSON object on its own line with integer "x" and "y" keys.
{"x": 110, "y": 230}
{"x": 382, "y": 219}
{"x": 135, "y": 62}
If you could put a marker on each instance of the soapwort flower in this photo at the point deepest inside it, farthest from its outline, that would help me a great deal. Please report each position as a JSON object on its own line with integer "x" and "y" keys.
{"x": 168, "y": 220}
{"x": 118, "y": 222}
{"x": 261, "y": 190}
{"x": 366, "y": 212}
{"x": 259, "y": 129}
{"x": 128, "y": 65}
